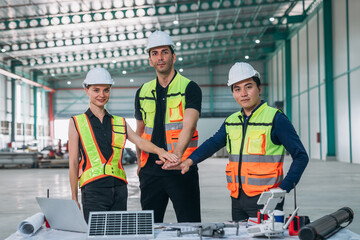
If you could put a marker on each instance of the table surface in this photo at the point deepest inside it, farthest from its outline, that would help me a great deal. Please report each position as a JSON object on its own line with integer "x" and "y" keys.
{"x": 163, "y": 231}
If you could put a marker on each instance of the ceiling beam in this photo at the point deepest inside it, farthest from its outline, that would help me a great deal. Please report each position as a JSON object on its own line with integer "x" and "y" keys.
{"x": 188, "y": 60}
{"x": 131, "y": 12}
{"x": 114, "y": 56}
{"x": 24, "y": 80}
{"x": 140, "y": 35}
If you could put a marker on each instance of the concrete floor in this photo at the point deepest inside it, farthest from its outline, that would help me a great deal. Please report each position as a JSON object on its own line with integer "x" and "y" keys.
{"x": 325, "y": 187}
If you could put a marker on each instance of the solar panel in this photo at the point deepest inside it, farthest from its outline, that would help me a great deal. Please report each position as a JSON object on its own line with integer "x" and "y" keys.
{"x": 121, "y": 225}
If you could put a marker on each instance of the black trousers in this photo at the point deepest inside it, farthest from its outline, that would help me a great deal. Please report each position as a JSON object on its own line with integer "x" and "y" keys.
{"x": 183, "y": 191}
{"x": 244, "y": 206}
{"x": 103, "y": 199}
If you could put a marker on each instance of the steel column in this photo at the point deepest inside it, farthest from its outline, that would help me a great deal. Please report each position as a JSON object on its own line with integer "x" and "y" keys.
{"x": 348, "y": 79}
{"x": 13, "y": 65}
{"x": 51, "y": 116}
{"x": 211, "y": 79}
{"x": 329, "y": 81}
{"x": 34, "y": 78}
{"x": 288, "y": 97}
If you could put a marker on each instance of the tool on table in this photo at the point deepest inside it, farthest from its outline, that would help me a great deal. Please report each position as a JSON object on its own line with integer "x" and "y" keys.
{"x": 298, "y": 221}
{"x": 269, "y": 227}
{"x": 46, "y": 222}
{"x": 328, "y": 225}
{"x": 261, "y": 217}
{"x": 215, "y": 230}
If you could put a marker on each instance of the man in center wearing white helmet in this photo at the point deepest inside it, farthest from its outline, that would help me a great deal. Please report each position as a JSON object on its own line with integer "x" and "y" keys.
{"x": 167, "y": 110}
{"x": 256, "y": 138}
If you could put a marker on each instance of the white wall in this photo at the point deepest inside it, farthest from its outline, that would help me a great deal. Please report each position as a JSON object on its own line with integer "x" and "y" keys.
{"x": 308, "y": 81}
{"x": 346, "y": 32}
{"x": 307, "y": 90}
{"x": 207, "y": 127}
{"x": 24, "y": 113}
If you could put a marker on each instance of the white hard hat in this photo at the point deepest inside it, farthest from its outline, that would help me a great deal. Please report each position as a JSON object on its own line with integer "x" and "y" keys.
{"x": 241, "y": 71}
{"x": 98, "y": 75}
{"x": 157, "y": 39}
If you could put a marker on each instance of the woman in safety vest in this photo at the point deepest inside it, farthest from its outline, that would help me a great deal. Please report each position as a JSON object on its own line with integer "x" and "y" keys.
{"x": 99, "y": 139}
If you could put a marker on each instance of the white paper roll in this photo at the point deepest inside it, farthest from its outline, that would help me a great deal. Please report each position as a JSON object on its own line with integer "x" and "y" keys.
{"x": 30, "y": 225}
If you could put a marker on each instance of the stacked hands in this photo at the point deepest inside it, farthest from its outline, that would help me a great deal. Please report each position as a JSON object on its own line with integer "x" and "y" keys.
{"x": 170, "y": 161}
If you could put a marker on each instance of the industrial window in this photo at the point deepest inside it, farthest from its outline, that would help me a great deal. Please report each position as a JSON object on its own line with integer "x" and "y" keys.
{"x": 19, "y": 129}
{"x": 40, "y": 130}
{"x": 5, "y": 127}
{"x": 28, "y": 129}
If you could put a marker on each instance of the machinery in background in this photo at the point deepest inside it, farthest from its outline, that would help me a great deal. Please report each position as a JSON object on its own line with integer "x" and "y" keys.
{"x": 129, "y": 156}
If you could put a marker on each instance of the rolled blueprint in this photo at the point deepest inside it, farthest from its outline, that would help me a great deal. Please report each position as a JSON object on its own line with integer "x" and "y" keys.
{"x": 30, "y": 225}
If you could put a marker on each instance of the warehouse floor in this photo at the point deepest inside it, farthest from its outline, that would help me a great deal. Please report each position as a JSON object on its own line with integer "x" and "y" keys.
{"x": 324, "y": 188}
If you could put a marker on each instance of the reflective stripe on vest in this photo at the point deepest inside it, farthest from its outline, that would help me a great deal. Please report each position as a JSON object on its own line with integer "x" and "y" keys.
{"x": 254, "y": 158}
{"x": 263, "y": 181}
{"x": 96, "y": 165}
{"x": 192, "y": 144}
{"x": 175, "y": 108}
{"x": 149, "y": 130}
{"x": 261, "y": 160}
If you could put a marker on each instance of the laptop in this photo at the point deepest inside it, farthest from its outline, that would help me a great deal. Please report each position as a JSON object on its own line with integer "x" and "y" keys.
{"x": 63, "y": 214}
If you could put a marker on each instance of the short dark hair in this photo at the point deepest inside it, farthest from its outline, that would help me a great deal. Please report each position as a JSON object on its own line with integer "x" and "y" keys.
{"x": 256, "y": 80}
{"x": 171, "y": 50}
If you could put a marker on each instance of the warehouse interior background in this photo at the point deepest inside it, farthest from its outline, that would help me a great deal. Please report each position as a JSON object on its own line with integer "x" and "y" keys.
{"x": 307, "y": 52}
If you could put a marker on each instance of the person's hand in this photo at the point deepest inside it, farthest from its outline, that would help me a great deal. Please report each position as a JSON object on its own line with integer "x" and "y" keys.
{"x": 78, "y": 204}
{"x": 172, "y": 165}
{"x": 165, "y": 156}
{"x": 138, "y": 170}
{"x": 183, "y": 166}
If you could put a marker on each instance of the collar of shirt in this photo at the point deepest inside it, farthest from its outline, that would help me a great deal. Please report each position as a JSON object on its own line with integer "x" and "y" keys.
{"x": 159, "y": 87}
{"x": 90, "y": 114}
{"x": 242, "y": 110}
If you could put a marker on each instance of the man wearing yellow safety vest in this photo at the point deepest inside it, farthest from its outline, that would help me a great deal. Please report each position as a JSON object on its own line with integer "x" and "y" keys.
{"x": 256, "y": 138}
{"x": 99, "y": 138}
{"x": 167, "y": 110}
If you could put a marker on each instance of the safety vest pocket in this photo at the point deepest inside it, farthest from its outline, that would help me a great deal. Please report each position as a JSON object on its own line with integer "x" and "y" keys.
{"x": 234, "y": 140}
{"x": 228, "y": 143}
{"x": 119, "y": 140}
{"x": 148, "y": 108}
{"x": 231, "y": 178}
{"x": 235, "y": 134}
{"x": 175, "y": 109}
{"x": 256, "y": 142}
{"x": 260, "y": 179}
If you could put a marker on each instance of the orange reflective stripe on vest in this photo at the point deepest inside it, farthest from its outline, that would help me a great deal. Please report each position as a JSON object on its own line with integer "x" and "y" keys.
{"x": 96, "y": 165}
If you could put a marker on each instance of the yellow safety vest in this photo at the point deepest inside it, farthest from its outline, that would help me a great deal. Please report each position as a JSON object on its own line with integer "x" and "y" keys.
{"x": 261, "y": 159}
{"x": 175, "y": 108}
{"x": 96, "y": 166}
